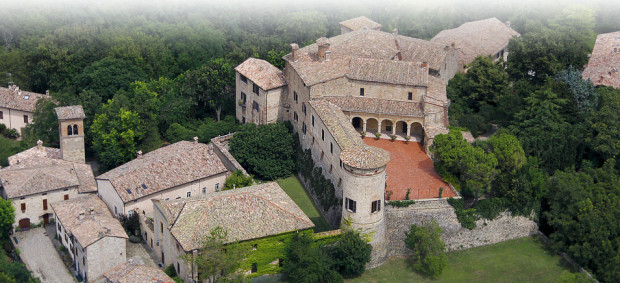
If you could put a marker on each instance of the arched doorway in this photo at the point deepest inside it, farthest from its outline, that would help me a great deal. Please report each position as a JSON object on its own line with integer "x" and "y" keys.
{"x": 24, "y": 223}
{"x": 417, "y": 132}
{"x": 372, "y": 125}
{"x": 358, "y": 124}
{"x": 387, "y": 127}
{"x": 402, "y": 129}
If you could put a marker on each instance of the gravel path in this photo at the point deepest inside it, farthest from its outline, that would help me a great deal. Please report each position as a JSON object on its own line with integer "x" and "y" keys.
{"x": 39, "y": 255}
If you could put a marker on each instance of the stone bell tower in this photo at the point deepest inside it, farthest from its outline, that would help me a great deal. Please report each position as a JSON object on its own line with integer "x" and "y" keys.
{"x": 71, "y": 129}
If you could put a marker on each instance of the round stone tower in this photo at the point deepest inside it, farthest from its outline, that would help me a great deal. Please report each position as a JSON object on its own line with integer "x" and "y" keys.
{"x": 363, "y": 195}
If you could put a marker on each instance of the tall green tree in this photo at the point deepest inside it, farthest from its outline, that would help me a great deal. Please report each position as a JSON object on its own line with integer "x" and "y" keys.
{"x": 307, "y": 263}
{"x": 116, "y": 133}
{"x": 350, "y": 254}
{"x": 45, "y": 126}
{"x": 428, "y": 248}
{"x": 603, "y": 135}
{"x": 7, "y": 218}
{"x": 210, "y": 85}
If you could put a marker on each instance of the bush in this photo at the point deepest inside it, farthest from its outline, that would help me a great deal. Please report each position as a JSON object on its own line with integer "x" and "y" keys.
{"x": 131, "y": 223}
{"x": 428, "y": 249}
{"x": 306, "y": 263}
{"x": 490, "y": 208}
{"x": 377, "y": 135}
{"x": 350, "y": 254}
{"x": 170, "y": 271}
{"x": 393, "y": 137}
{"x": 135, "y": 239}
{"x": 401, "y": 203}
{"x": 238, "y": 180}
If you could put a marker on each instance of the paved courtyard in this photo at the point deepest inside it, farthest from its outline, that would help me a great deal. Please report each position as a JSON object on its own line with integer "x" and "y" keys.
{"x": 40, "y": 256}
{"x": 410, "y": 167}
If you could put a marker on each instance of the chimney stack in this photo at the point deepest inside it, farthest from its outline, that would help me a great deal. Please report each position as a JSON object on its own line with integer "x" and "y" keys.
{"x": 424, "y": 65}
{"x": 47, "y": 92}
{"x": 195, "y": 140}
{"x": 295, "y": 49}
{"x": 323, "y": 44}
{"x": 508, "y": 23}
{"x": 39, "y": 144}
{"x": 139, "y": 153}
{"x": 395, "y": 31}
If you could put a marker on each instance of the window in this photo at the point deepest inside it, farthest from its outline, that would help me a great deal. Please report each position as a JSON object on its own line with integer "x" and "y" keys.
{"x": 361, "y": 91}
{"x": 189, "y": 194}
{"x": 243, "y": 98}
{"x": 204, "y": 190}
{"x": 410, "y": 96}
{"x": 25, "y": 119}
{"x": 242, "y": 120}
{"x": 322, "y": 153}
{"x": 295, "y": 117}
{"x": 66, "y": 197}
{"x": 243, "y": 78}
{"x": 115, "y": 211}
{"x": 376, "y": 206}
{"x": 45, "y": 204}
{"x": 1, "y": 115}
{"x": 178, "y": 268}
{"x": 322, "y": 134}
{"x": 340, "y": 163}
{"x": 303, "y": 108}
{"x": 280, "y": 262}
{"x": 84, "y": 261}
{"x": 303, "y": 128}
{"x": 75, "y": 130}
{"x": 254, "y": 247}
{"x": 23, "y": 206}
{"x": 254, "y": 268}
{"x": 69, "y": 130}
{"x": 350, "y": 204}
{"x": 331, "y": 168}
{"x": 161, "y": 227}
{"x": 217, "y": 187}
{"x": 255, "y": 106}
{"x": 295, "y": 96}
{"x": 312, "y": 120}
{"x": 331, "y": 148}
{"x": 255, "y": 89}
{"x": 340, "y": 182}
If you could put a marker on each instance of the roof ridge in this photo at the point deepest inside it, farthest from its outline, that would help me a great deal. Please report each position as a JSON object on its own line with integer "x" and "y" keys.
{"x": 274, "y": 204}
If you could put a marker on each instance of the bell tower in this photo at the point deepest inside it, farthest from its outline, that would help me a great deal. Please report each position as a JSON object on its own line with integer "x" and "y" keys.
{"x": 71, "y": 129}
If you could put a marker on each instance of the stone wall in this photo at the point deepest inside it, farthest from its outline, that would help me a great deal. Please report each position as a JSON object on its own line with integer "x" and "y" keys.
{"x": 503, "y": 228}
{"x": 220, "y": 147}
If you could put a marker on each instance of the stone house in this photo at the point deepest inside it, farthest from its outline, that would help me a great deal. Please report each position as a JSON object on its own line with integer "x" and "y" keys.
{"x": 134, "y": 273}
{"x": 17, "y": 107}
{"x": 41, "y": 175}
{"x": 488, "y": 37}
{"x": 604, "y": 65}
{"x": 180, "y": 170}
{"x": 94, "y": 239}
{"x": 357, "y": 24}
{"x": 249, "y": 215}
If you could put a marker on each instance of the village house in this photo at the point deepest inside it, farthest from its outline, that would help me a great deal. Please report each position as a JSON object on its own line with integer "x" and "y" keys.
{"x": 357, "y": 24}
{"x": 604, "y": 65}
{"x": 180, "y": 170}
{"x": 17, "y": 107}
{"x": 134, "y": 273}
{"x": 94, "y": 239}
{"x": 260, "y": 218}
{"x": 488, "y": 37}
{"x": 41, "y": 175}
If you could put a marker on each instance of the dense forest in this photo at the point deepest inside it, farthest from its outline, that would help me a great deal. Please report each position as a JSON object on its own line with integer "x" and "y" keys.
{"x": 149, "y": 75}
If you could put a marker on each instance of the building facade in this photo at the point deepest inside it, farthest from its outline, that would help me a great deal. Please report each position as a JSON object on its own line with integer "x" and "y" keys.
{"x": 17, "y": 107}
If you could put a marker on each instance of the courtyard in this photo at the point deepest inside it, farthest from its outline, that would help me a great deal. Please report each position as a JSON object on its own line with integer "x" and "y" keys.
{"x": 410, "y": 167}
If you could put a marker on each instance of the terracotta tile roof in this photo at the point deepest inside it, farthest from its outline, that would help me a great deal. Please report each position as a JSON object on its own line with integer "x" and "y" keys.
{"x": 360, "y": 23}
{"x": 604, "y": 65}
{"x": 377, "y": 105}
{"x": 167, "y": 167}
{"x": 88, "y": 219}
{"x": 261, "y": 72}
{"x": 367, "y": 157}
{"x": 367, "y": 44}
{"x": 478, "y": 38}
{"x": 70, "y": 112}
{"x": 42, "y": 151}
{"x": 14, "y": 98}
{"x": 388, "y": 71}
{"x": 136, "y": 273}
{"x": 246, "y": 213}
{"x": 34, "y": 172}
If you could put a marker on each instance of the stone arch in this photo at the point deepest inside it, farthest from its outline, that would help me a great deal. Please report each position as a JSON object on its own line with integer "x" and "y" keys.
{"x": 417, "y": 131}
{"x": 372, "y": 125}
{"x": 387, "y": 126}
{"x": 24, "y": 223}
{"x": 402, "y": 128}
{"x": 75, "y": 129}
{"x": 69, "y": 130}
{"x": 358, "y": 123}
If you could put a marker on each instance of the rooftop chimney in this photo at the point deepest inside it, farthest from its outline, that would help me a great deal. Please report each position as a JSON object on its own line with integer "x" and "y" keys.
{"x": 295, "y": 49}
{"x": 424, "y": 65}
{"x": 81, "y": 215}
{"x": 323, "y": 44}
{"x": 195, "y": 140}
{"x": 508, "y": 23}
{"x": 453, "y": 44}
{"x": 395, "y": 31}
{"x": 39, "y": 144}
{"x": 139, "y": 153}
{"x": 47, "y": 92}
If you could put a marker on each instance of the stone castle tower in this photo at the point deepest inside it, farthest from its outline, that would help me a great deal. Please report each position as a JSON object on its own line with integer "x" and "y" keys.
{"x": 71, "y": 129}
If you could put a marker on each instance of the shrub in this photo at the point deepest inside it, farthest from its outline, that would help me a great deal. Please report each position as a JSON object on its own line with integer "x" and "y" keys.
{"x": 490, "y": 208}
{"x": 350, "y": 254}
{"x": 440, "y": 191}
{"x": 135, "y": 239}
{"x": 388, "y": 194}
{"x": 428, "y": 249}
{"x": 393, "y": 137}
{"x": 401, "y": 203}
{"x": 363, "y": 134}
{"x": 407, "y": 195}
{"x": 131, "y": 223}
{"x": 306, "y": 263}
{"x": 377, "y": 135}
{"x": 170, "y": 271}
{"x": 238, "y": 180}
{"x": 407, "y": 138}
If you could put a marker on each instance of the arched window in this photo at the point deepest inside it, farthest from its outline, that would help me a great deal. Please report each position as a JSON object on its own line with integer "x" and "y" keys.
{"x": 75, "y": 129}
{"x": 69, "y": 130}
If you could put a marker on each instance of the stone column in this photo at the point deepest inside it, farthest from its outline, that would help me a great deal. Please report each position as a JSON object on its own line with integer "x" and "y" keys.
{"x": 393, "y": 128}
{"x": 363, "y": 125}
{"x": 379, "y": 126}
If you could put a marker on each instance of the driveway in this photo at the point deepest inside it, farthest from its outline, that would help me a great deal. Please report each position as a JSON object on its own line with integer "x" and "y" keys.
{"x": 39, "y": 255}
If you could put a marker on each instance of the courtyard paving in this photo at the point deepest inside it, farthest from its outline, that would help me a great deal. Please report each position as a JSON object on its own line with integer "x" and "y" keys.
{"x": 40, "y": 256}
{"x": 410, "y": 167}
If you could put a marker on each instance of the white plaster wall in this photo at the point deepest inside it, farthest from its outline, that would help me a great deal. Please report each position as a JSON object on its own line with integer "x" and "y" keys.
{"x": 34, "y": 204}
{"x": 14, "y": 119}
{"x": 109, "y": 195}
{"x": 103, "y": 255}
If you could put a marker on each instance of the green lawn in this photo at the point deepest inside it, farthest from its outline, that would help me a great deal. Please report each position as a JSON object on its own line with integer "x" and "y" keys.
{"x": 296, "y": 191}
{"x": 519, "y": 260}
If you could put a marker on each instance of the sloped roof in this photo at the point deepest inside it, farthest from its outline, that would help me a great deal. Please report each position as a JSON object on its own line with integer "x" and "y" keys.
{"x": 88, "y": 219}
{"x": 167, "y": 167}
{"x": 604, "y": 64}
{"x": 245, "y": 213}
{"x": 377, "y": 105}
{"x": 33, "y": 152}
{"x": 477, "y": 38}
{"x": 70, "y": 112}
{"x": 368, "y": 157}
{"x": 365, "y": 44}
{"x": 261, "y": 72}
{"x": 137, "y": 273}
{"x": 388, "y": 71}
{"x": 14, "y": 98}
{"x": 360, "y": 23}
{"x": 35, "y": 171}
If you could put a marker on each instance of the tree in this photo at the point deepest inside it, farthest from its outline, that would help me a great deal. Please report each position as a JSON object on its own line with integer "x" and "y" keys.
{"x": 350, "y": 254}
{"x": 45, "y": 126}
{"x": 7, "y": 218}
{"x": 478, "y": 170}
{"x": 218, "y": 260}
{"x": 116, "y": 133}
{"x": 266, "y": 151}
{"x": 7, "y": 148}
{"x": 237, "y": 180}
{"x": 428, "y": 248}
{"x": 307, "y": 263}
{"x": 108, "y": 76}
{"x": 209, "y": 85}
{"x": 582, "y": 92}
{"x": 603, "y": 135}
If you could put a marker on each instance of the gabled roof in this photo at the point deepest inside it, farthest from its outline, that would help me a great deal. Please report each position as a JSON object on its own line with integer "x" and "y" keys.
{"x": 70, "y": 112}
{"x": 167, "y": 167}
{"x": 388, "y": 71}
{"x": 478, "y": 38}
{"x": 17, "y": 99}
{"x": 88, "y": 219}
{"x": 262, "y": 73}
{"x": 360, "y": 23}
{"x": 377, "y": 105}
{"x": 136, "y": 273}
{"x": 245, "y": 213}
{"x": 33, "y": 152}
{"x": 604, "y": 65}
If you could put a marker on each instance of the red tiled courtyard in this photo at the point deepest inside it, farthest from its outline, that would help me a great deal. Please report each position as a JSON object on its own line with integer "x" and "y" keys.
{"x": 410, "y": 167}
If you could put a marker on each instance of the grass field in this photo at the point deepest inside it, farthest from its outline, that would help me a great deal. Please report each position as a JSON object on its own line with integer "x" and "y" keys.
{"x": 296, "y": 191}
{"x": 519, "y": 260}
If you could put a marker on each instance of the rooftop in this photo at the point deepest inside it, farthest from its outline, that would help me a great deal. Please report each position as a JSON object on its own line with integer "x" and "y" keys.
{"x": 88, "y": 219}
{"x": 17, "y": 99}
{"x": 136, "y": 273}
{"x": 478, "y": 38}
{"x": 377, "y": 105}
{"x": 167, "y": 167}
{"x": 388, "y": 71}
{"x": 262, "y": 73}
{"x": 604, "y": 65}
{"x": 360, "y": 23}
{"x": 70, "y": 112}
{"x": 246, "y": 213}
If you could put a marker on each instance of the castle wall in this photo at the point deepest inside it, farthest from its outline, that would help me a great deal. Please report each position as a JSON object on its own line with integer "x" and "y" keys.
{"x": 269, "y": 104}
{"x": 451, "y": 65}
{"x": 399, "y": 220}
{"x": 347, "y": 87}
{"x": 295, "y": 86}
